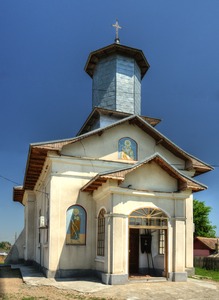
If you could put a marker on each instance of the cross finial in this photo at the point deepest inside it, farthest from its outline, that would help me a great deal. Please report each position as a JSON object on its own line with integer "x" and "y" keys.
{"x": 116, "y": 25}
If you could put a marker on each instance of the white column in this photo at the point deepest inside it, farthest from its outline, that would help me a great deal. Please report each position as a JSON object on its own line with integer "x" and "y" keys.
{"x": 116, "y": 249}
{"x": 189, "y": 232}
{"x": 30, "y": 227}
{"x": 179, "y": 273}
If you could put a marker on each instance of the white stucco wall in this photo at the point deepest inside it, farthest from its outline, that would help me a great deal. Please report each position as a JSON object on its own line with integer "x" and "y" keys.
{"x": 151, "y": 177}
{"x": 151, "y": 186}
{"x": 125, "y": 200}
{"x": 105, "y": 146}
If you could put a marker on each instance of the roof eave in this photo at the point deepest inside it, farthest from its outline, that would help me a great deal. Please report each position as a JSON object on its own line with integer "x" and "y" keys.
{"x": 86, "y": 127}
{"x": 18, "y": 194}
{"x": 199, "y": 165}
{"x": 137, "y": 54}
{"x": 38, "y": 151}
{"x": 119, "y": 175}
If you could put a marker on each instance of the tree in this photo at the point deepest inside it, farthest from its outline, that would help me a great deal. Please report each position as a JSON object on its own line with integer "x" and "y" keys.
{"x": 5, "y": 245}
{"x": 203, "y": 226}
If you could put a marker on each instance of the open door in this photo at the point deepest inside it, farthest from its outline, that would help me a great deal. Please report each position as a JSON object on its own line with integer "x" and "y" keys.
{"x": 145, "y": 221}
{"x": 133, "y": 251}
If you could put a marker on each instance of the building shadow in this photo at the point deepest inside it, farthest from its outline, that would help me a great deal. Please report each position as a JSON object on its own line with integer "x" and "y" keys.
{"x": 7, "y": 274}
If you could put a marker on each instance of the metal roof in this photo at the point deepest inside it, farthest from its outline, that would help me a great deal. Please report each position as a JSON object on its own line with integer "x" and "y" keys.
{"x": 38, "y": 152}
{"x": 209, "y": 242}
{"x": 112, "y": 49}
{"x": 119, "y": 175}
{"x": 97, "y": 111}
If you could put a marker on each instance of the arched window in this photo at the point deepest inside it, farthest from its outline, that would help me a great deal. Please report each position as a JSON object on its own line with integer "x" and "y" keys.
{"x": 101, "y": 233}
{"x": 151, "y": 218}
{"x": 148, "y": 218}
{"x": 127, "y": 149}
{"x": 76, "y": 225}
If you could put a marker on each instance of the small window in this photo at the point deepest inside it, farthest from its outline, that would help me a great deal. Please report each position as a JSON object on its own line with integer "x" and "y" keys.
{"x": 161, "y": 245}
{"x": 101, "y": 233}
{"x": 39, "y": 236}
{"x": 47, "y": 220}
{"x": 127, "y": 149}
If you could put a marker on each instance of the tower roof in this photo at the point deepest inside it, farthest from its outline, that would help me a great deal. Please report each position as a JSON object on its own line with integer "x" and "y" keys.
{"x": 97, "y": 111}
{"x": 115, "y": 48}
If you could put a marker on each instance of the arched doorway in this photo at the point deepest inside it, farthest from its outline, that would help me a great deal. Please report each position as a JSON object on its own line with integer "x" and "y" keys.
{"x": 148, "y": 249}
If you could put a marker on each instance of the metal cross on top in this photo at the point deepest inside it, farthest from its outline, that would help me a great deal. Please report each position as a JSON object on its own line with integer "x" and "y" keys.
{"x": 116, "y": 25}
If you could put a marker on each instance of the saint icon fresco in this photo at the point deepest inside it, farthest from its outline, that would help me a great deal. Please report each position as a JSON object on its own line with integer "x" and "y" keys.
{"x": 127, "y": 149}
{"x": 76, "y": 225}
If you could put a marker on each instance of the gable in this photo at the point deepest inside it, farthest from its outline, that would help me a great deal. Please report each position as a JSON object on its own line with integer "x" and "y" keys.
{"x": 95, "y": 144}
{"x": 160, "y": 164}
{"x": 151, "y": 177}
{"x": 106, "y": 145}
{"x": 205, "y": 243}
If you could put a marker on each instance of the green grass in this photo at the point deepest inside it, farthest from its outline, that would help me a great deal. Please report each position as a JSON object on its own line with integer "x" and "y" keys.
{"x": 207, "y": 274}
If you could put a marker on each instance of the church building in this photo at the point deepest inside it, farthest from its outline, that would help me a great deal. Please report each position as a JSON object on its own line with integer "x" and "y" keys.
{"x": 116, "y": 200}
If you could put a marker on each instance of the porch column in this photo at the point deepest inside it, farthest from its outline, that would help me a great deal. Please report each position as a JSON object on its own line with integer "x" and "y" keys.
{"x": 179, "y": 273}
{"x": 189, "y": 235}
{"x": 117, "y": 249}
{"x": 30, "y": 227}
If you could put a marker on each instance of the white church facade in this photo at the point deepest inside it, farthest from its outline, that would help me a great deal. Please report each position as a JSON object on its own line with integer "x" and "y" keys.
{"x": 117, "y": 199}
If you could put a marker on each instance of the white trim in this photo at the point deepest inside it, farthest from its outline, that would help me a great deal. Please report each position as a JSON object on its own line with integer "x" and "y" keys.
{"x": 100, "y": 259}
{"x": 102, "y": 207}
{"x": 136, "y": 193}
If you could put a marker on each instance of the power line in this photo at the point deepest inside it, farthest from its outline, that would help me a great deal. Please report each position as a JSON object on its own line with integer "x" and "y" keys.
{"x": 12, "y": 181}
{"x": 7, "y": 179}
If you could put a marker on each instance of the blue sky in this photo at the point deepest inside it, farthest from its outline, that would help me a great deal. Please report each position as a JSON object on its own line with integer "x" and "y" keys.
{"x": 46, "y": 95}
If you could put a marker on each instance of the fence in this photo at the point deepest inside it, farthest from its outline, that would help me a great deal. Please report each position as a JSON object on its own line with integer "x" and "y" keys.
{"x": 209, "y": 262}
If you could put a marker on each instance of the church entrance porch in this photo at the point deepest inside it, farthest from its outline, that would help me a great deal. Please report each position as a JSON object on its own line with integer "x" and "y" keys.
{"x": 148, "y": 251}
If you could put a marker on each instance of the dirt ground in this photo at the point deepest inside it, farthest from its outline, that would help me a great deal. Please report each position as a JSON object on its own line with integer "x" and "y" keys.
{"x": 12, "y": 287}
{"x": 2, "y": 259}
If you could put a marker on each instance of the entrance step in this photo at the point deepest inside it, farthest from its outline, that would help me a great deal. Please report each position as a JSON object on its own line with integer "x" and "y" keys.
{"x": 146, "y": 278}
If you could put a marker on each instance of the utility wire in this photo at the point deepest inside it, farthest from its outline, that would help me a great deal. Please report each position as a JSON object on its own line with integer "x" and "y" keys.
{"x": 12, "y": 181}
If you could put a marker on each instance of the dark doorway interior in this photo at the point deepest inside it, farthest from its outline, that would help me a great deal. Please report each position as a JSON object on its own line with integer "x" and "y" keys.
{"x": 133, "y": 251}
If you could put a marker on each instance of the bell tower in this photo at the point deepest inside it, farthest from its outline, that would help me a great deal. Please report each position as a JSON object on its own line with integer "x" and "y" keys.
{"x": 117, "y": 71}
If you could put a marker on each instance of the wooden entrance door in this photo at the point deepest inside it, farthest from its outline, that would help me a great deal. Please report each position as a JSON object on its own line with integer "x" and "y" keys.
{"x": 133, "y": 251}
